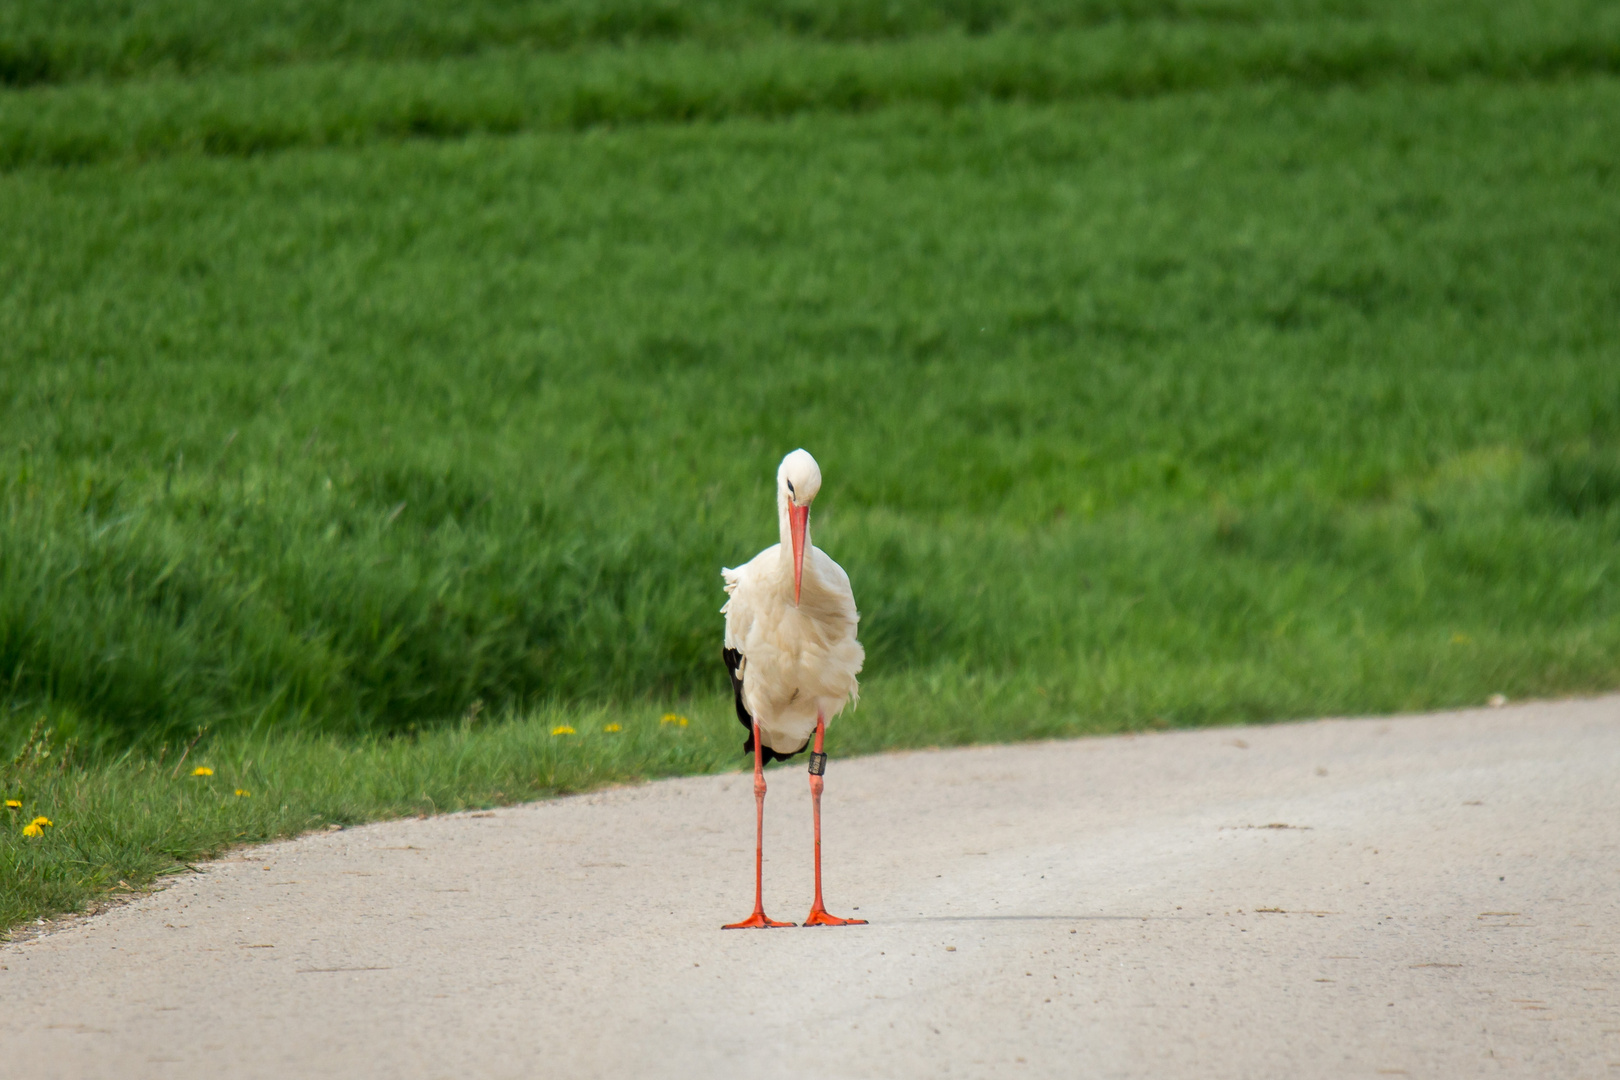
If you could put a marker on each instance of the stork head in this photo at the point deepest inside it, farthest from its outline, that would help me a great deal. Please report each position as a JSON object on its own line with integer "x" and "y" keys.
{"x": 798, "y": 479}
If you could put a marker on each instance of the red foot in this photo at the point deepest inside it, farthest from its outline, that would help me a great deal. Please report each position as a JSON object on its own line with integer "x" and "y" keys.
{"x": 756, "y": 921}
{"x": 819, "y": 917}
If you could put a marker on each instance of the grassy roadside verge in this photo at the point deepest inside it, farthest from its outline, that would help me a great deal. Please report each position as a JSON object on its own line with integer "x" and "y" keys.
{"x": 351, "y": 103}
{"x": 119, "y": 823}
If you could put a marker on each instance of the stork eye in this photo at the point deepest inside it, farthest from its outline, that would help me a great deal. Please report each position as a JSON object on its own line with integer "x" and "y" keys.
{"x": 790, "y": 488}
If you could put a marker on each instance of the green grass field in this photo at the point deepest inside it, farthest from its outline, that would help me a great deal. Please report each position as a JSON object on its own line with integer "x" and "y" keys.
{"x": 1168, "y": 364}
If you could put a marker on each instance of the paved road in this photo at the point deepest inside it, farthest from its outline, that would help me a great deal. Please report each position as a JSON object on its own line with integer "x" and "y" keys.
{"x": 1428, "y": 896}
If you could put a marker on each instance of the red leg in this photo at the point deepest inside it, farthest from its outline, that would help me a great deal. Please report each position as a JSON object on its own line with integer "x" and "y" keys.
{"x": 818, "y": 911}
{"x": 758, "y": 919}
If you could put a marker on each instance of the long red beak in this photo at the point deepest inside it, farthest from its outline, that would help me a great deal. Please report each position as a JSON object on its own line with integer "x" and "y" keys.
{"x": 798, "y": 521}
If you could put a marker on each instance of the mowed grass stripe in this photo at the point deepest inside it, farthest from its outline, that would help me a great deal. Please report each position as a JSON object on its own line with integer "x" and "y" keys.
{"x": 77, "y": 39}
{"x": 349, "y": 104}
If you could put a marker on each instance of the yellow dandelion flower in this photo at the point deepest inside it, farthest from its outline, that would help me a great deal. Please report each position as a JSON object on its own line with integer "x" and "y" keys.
{"x": 613, "y": 727}
{"x": 13, "y": 804}
{"x": 41, "y": 821}
{"x": 242, "y": 793}
{"x": 33, "y": 830}
{"x": 202, "y": 770}
{"x": 562, "y": 729}
{"x": 672, "y": 718}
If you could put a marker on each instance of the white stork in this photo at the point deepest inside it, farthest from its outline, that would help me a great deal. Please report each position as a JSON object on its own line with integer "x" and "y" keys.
{"x": 792, "y": 654}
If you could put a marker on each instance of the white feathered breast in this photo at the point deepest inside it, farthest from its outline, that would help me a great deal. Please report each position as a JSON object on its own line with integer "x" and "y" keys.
{"x": 796, "y": 661}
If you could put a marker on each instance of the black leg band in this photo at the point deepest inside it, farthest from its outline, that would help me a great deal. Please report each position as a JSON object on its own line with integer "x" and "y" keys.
{"x": 818, "y": 763}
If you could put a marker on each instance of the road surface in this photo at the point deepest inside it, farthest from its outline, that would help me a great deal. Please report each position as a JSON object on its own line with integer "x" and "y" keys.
{"x": 1424, "y": 896}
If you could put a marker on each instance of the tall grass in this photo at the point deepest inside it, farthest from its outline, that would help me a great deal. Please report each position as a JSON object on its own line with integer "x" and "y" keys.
{"x": 1252, "y": 382}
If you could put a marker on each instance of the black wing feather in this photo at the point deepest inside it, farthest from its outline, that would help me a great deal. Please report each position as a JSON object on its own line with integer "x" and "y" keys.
{"x": 733, "y": 659}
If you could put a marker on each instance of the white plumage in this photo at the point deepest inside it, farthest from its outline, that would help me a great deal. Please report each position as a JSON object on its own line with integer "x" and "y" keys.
{"x": 794, "y": 659}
